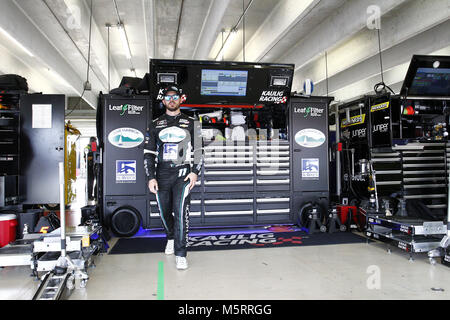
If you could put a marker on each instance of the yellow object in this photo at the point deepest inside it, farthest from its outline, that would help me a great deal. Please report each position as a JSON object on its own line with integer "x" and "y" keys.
{"x": 44, "y": 230}
{"x": 85, "y": 241}
{"x": 70, "y": 160}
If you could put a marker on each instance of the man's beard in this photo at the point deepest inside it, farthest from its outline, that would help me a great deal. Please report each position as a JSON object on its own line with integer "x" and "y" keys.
{"x": 174, "y": 107}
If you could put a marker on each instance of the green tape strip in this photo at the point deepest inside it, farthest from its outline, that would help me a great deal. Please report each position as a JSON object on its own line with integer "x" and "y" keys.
{"x": 160, "y": 286}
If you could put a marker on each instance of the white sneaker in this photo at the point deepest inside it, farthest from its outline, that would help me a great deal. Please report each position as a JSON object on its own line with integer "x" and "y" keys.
{"x": 169, "y": 247}
{"x": 181, "y": 263}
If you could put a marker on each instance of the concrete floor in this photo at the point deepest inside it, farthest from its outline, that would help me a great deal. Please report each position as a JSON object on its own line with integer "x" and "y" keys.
{"x": 289, "y": 273}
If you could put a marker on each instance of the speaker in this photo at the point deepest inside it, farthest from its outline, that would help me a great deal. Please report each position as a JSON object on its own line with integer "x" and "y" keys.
{"x": 125, "y": 215}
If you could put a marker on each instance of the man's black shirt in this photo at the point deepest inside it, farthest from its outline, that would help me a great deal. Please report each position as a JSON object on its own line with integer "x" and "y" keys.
{"x": 168, "y": 141}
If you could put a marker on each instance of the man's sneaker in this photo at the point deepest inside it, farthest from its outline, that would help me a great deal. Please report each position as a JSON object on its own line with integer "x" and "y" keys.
{"x": 169, "y": 247}
{"x": 181, "y": 263}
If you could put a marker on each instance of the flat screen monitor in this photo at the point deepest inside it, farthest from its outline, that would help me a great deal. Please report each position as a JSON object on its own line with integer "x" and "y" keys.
{"x": 230, "y": 83}
{"x": 427, "y": 76}
{"x": 431, "y": 81}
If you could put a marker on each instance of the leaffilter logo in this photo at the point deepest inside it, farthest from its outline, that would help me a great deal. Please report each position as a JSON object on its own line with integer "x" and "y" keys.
{"x": 307, "y": 111}
{"x": 127, "y": 108}
{"x": 310, "y": 111}
{"x": 124, "y": 109}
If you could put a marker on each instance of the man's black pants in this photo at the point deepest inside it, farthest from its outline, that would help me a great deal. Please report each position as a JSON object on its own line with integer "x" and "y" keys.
{"x": 174, "y": 200}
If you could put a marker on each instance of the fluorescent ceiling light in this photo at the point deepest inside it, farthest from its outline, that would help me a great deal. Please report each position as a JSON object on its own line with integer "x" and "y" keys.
{"x": 226, "y": 45}
{"x": 125, "y": 44}
{"x": 6, "y": 34}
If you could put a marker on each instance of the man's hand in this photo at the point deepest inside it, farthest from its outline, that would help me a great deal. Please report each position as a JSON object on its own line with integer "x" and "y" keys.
{"x": 193, "y": 177}
{"x": 153, "y": 186}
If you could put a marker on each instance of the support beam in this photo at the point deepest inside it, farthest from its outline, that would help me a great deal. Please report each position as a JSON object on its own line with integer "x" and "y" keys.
{"x": 78, "y": 12}
{"x": 16, "y": 22}
{"x": 283, "y": 17}
{"x": 395, "y": 28}
{"x": 425, "y": 43}
{"x": 210, "y": 29}
{"x": 338, "y": 28}
{"x": 393, "y": 77}
{"x": 150, "y": 27}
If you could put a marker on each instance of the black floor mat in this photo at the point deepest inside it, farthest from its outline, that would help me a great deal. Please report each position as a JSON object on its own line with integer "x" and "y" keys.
{"x": 217, "y": 241}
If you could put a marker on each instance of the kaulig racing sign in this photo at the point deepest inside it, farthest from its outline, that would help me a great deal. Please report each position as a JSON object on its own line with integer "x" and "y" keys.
{"x": 276, "y": 97}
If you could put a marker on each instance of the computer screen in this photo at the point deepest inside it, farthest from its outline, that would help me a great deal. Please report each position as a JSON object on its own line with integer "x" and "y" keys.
{"x": 224, "y": 83}
{"x": 430, "y": 81}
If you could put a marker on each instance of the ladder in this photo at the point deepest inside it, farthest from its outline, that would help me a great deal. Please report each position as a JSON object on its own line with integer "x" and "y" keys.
{"x": 52, "y": 286}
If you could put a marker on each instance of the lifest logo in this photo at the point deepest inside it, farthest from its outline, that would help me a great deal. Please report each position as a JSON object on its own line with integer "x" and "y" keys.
{"x": 276, "y": 97}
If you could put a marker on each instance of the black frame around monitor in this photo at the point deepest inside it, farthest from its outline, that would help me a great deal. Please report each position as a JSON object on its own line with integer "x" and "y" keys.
{"x": 189, "y": 80}
{"x": 422, "y": 61}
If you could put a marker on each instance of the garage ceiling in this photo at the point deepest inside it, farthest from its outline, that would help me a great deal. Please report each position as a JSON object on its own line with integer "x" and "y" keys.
{"x": 52, "y": 39}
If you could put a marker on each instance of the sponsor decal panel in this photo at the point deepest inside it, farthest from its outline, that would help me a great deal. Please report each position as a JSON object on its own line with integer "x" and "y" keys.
{"x": 310, "y": 138}
{"x": 126, "y": 171}
{"x": 125, "y": 138}
{"x": 127, "y": 109}
{"x": 359, "y": 133}
{"x": 382, "y": 128}
{"x": 359, "y": 119}
{"x": 310, "y": 111}
{"x": 172, "y": 135}
{"x": 276, "y": 97}
{"x": 170, "y": 151}
{"x": 379, "y": 107}
{"x": 310, "y": 169}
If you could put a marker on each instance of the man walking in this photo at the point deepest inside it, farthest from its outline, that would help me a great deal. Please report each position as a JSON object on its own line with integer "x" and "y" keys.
{"x": 170, "y": 175}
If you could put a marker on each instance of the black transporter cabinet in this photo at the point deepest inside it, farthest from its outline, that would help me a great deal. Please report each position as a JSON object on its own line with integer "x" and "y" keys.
{"x": 41, "y": 147}
{"x": 124, "y": 122}
{"x": 308, "y": 136}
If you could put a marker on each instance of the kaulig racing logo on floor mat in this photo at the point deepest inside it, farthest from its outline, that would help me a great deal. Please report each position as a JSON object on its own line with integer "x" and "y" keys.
{"x": 263, "y": 239}
{"x": 125, "y": 138}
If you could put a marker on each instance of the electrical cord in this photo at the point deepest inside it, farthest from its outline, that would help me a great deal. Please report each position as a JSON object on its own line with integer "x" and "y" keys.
{"x": 381, "y": 87}
{"x": 77, "y": 105}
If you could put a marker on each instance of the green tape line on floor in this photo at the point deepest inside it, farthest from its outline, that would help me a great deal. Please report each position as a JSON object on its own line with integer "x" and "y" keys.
{"x": 160, "y": 289}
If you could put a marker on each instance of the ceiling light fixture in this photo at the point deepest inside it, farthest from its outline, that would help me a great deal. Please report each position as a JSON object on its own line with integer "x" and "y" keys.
{"x": 124, "y": 38}
{"x": 6, "y": 34}
{"x": 231, "y": 36}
